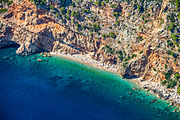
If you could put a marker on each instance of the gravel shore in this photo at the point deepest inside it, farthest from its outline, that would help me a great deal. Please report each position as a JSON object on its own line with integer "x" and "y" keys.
{"x": 86, "y": 59}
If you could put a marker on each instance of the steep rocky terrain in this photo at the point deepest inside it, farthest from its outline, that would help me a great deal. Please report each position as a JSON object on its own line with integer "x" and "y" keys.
{"x": 140, "y": 37}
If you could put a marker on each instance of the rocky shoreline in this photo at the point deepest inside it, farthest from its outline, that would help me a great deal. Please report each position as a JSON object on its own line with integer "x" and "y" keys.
{"x": 156, "y": 88}
{"x": 162, "y": 92}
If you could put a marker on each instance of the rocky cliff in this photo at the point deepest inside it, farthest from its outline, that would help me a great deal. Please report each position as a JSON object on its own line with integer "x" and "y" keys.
{"x": 34, "y": 30}
{"x": 141, "y": 38}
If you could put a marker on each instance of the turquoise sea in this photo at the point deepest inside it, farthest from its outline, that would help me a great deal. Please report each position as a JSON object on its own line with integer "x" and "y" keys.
{"x": 61, "y": 89}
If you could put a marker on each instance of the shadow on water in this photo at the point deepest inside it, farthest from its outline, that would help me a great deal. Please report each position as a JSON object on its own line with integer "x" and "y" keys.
{"x": 12, "y": 45}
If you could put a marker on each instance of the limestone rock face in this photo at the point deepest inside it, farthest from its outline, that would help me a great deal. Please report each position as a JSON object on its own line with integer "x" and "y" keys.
{"x": 34, "y": 30}
{"x": 64, "y": 48}
{"x": 136, "y": 67}
{"x": 26, "y": 49}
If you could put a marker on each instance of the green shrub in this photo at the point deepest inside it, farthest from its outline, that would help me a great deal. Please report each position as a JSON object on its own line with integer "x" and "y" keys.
{"x": 73, "y": 13}
{"x": 96, "y": 27}
{"x": 175, "y": 55}
{"x": 117, "y": 22}
{"x": 178, "y": 90}
{"x": 116, "y": 14}
{"x": 102, "y": 4}
{"x": 140, "y": 52}
{"x": 168, "y": 74}
{"x": 164, "y": 82}
{"x": 171, "y": 27}
{"x": 177, "y": 3}
{"x": 112, "y": 34}
{"x": 177, "y": 75}
{"x": 3, "y": 10}
{"x": 88, "y": 10}
{"x": 9, "y": 3}
{"x": 121, "y": 57}
{"x": 142, "y": 17}
{"x": 106, "y": 35}
{"x": 113, "y": 6}
{"x": 63, "y": 11}
{"x": 140, "y": 8}
{"x": 171, "y": 17}
{"x": 78, "y": 26}
{"x": 174, "y": 37}
{"x": 109, "y": 49}
{"x": 69, "y": 12}
{"x": 107, "y": 1}
{"x": 57, "y": 15}
{"x": 97, "y": 3}
{"x": 51, "y": 7}
{"x": 169, "y": 43}
{"x": 67, "y": 17}
{"x": 91, "y": 34}
{"x": 103, "y": 36}
{"x": 38, "y": 2}
{"x": 145, "y": 21}
{"x": 171, "y": 83}
{"x": 140, "y": 38}
{"x": 73, "y": 4}
{"x": 133, "y": 55}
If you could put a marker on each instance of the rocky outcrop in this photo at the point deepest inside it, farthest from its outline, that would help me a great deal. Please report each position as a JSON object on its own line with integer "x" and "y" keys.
{"x": 136, "y": 67}
{"x": 26, "y": 49}
{"x": 162, "y": 92}
{"x": 34, "y": 30}
{"x": 65, "y": 49}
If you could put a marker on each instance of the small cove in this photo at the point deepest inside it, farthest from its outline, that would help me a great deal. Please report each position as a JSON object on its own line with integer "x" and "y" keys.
{"x": 61, "y": 89}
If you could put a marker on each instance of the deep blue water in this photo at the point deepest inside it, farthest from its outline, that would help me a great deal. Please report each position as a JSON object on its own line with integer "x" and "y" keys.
{"x": 60, "y": 89}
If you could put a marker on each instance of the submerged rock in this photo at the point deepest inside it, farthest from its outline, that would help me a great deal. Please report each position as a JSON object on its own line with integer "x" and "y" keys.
{"x": 154, "y": 100}
{"x": 11, "y": 58}
{"x": 5, "y": 57}
{"x": 40, "y": 60}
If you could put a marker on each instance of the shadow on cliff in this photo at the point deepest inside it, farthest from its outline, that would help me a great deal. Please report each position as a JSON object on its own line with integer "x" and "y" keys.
{"x": 45, "y": 40}
{"x": 6, "y": 39}
{"x": 65, "y": 3}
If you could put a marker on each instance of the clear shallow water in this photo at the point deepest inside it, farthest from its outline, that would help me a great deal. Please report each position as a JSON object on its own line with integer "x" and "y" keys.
{"x": 60, "y": 89}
